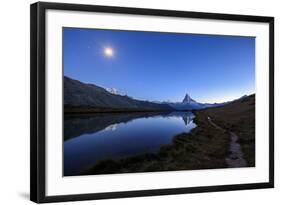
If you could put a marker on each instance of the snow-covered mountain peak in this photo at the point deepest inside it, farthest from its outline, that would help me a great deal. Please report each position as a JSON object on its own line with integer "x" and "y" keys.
{"x": 112, "y": 91}
{"x": 188, "y": 99}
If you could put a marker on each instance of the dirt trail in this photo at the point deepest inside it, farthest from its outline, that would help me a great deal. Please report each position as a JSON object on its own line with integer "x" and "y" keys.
{"x": 235, "y": 157}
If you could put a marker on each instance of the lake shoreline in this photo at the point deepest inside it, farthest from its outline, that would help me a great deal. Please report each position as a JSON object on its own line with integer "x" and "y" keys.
{"x": 95, "y": 137}
{"x": 68, "y": 110}
{"x": 195, "y": 150}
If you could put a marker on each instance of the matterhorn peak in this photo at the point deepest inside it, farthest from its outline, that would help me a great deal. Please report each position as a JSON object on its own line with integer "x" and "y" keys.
{"x": 188, "y": 99}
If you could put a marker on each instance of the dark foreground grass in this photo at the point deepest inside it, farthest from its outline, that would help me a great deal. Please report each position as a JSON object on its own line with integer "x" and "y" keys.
{"x": 205, "y": 147}
{"x": 238, "y": 117}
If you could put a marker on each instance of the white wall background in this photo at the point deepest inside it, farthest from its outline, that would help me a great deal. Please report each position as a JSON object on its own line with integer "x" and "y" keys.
{"x": 14, "y": 100}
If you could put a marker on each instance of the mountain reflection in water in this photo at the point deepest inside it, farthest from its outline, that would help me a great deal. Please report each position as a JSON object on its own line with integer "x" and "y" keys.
{"x": 89, "y": 139}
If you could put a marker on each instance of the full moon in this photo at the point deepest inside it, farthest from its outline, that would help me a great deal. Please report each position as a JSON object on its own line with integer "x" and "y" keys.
{"x": 108, "y": 52}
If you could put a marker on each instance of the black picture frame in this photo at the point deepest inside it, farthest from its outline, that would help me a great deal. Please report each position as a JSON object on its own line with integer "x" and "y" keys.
{"x": 38, "y": 101}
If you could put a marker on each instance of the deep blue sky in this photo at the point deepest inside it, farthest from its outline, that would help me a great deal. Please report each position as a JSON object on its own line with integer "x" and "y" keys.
{"x": 162, "y": 66}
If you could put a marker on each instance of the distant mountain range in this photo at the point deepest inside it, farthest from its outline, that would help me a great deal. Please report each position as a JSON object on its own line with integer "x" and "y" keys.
{"x": 189, "y": 104}
{"x": 78, "y": 94}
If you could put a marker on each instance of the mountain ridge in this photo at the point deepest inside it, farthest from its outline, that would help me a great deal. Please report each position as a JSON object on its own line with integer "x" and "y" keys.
{"x": 79, "y": 94}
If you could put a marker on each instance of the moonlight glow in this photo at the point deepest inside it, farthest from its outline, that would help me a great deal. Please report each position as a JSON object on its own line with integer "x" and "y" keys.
{"x": 108, "y": 52}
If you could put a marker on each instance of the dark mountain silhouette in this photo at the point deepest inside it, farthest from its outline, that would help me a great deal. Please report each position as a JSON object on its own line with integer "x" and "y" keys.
{"x": 81, "y": 94}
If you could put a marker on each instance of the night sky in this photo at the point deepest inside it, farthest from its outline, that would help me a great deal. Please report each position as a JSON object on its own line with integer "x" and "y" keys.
{"x": 158, "y": 66}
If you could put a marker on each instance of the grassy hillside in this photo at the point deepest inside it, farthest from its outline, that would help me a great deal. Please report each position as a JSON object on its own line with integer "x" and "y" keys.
{"x": 238, "y": 117}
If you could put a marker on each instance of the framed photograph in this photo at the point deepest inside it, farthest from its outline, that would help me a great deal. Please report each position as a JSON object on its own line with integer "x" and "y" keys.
{"x": 129, "y": 102}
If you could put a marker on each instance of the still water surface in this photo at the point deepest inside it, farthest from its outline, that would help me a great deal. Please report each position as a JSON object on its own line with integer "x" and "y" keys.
{"x": 90, "y": 139}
